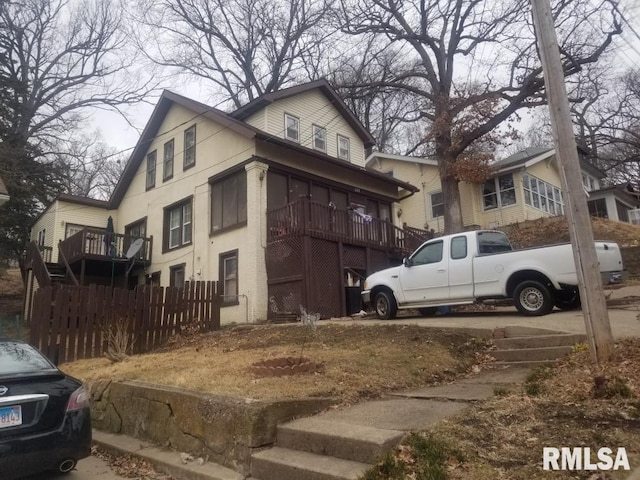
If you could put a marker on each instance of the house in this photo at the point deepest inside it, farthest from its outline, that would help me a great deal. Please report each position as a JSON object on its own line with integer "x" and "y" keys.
{"x": 525, "y": 186}
{"x": 273, "y": 200}
{"x": 4, "y": 194}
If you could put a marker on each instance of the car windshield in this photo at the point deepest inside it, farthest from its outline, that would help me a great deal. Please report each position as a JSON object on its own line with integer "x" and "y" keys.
{"x": 17, "y": 358}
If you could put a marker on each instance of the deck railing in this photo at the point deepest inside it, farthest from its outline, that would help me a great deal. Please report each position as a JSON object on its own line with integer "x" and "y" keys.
{"x": 97, "y": 242}
{"x": 306, "y": 217}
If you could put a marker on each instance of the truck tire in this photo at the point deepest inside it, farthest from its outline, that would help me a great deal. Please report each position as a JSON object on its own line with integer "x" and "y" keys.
{"x": 385, "y": 305}
{"x": 533, "y": 299}
{"x": 568, "y": 299}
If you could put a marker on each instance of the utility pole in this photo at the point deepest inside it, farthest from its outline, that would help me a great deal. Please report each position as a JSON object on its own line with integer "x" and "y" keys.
{"x": 594, "y": 307}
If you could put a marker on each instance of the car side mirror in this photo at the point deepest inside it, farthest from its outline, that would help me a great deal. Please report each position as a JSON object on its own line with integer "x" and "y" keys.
{"x": 407, "y": 262}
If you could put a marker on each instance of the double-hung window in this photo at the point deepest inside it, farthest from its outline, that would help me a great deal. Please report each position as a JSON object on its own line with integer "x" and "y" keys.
{"x": 319, "y": 138}
{"x": 189, "y": 147}
{"x": 291, "y": 128}
{"x": 437, "y": 205}
{"x": 343, "y": 147}
{"x": 178, "y": 224}
{"x": 229, "y": 277}
{"x": 167, "y": 171}
{"x": 151, "y": 170}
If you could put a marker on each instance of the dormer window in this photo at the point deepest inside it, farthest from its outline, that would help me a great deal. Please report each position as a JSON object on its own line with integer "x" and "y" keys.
{"x": 320, "y": 138}
{"x": 291, "y": 128}
{"x": 343, "y": 148}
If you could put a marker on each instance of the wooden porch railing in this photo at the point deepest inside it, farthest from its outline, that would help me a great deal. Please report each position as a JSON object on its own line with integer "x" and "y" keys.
{"x": 305, "y": 217}
{"x": 97, "y": 242}
{"x": 35, "y": 261}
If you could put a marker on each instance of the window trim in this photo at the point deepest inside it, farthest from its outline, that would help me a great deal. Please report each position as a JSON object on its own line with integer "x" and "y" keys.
{"x": 348, "y": 157}
{"x": 431, "y": 194}
{"x": 286, "y": 128}
{"x": 173, "y": 269}
{"x": 221, "y": 259}
{"x": 166, "y": 177}
{"x": 69, "y": 224}
{"x": 317, "y": 128}
{"x": 498, "y": 193}
{"x": 166, "y": 230}
{"x": 526, "y": 189}
{"x": 186, "y": 166}
{"x": 151, "y": 184}
{"x": 220, "y": 180}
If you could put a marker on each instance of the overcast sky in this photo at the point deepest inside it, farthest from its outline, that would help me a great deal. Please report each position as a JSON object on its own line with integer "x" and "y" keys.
{"x": 116, "y": 132}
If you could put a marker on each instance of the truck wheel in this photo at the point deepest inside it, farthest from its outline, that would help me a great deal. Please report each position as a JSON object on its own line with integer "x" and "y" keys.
{"x": 568, "y": 299}
{"x": 532, "y": 299}
{"x": 385, "y": 305}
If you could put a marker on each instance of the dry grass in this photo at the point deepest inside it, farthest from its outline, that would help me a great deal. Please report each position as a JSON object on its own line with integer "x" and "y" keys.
{"x": 555, "y": 230}
{"x": 357, "y": 361}
{"x": 503, "y": 438}
{"x": 11, "y": 288}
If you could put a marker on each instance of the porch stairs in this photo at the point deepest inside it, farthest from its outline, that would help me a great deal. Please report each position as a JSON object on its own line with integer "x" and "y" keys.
{"x": 532, "y": 347}
{"x": 317, "y": 448}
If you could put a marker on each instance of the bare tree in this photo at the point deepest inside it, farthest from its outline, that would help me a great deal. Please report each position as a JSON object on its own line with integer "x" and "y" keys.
{"x": 245, "y": 47}
{"x": 89, "y": 167}
{"x": 57, "y": 58}
{"x": 475, "y": 59}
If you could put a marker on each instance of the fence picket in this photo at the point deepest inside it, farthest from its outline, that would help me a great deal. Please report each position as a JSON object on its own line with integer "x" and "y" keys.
{"x": 70, "y": 323}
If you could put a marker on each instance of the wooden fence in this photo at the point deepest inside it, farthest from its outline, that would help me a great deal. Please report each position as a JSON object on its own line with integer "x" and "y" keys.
{"x": 70, "y": 322}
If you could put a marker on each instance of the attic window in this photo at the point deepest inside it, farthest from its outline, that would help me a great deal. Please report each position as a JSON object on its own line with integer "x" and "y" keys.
{"x": 189, "y": 147}
{"x": 151, "y": 170}
{"x": 343, "y": 148}
{"x": 291, "y": 128}
{"x": 320, "y": 138}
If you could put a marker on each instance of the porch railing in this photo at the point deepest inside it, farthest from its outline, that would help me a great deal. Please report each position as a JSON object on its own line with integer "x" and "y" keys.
{"x": 306, "y": 217}
{"x": 97, "y": 242}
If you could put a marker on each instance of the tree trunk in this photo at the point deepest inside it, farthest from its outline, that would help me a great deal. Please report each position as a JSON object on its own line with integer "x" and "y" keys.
{"x": 453, "y": 222}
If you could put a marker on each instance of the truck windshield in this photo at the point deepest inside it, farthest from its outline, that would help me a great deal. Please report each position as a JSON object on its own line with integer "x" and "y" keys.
{"x": 493, "y": 242}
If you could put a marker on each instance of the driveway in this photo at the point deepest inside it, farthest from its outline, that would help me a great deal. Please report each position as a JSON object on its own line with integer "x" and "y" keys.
{"x": 624, "y": 320}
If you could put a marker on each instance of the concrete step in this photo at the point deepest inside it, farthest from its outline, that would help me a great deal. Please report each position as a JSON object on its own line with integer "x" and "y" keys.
{"x": 526, "y": 363}
{"x": 538, "y": 341}
{"x": 279, "y": 463}
{"x": 358, "y": 443}
{"x": 531, "y": 354}
{"x": 520, "y": 331}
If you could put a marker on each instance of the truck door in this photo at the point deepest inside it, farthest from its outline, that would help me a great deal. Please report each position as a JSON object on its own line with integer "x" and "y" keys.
{"x": 460, "y": 269}
{"x": 426, "y": 277}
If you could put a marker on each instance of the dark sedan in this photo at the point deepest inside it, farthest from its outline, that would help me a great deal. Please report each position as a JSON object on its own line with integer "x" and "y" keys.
{"x": 45, "y": 422}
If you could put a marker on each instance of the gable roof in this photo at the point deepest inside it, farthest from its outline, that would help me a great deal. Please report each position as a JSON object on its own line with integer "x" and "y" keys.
{"x": 77, "y": 199}
{"x": 532, "y": 155}
{"x": 167, "y": 99}
{"x": 325, "y": 88}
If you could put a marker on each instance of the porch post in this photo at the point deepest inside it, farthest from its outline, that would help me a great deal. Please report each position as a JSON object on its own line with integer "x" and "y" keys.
{"x": 253, "y": 279}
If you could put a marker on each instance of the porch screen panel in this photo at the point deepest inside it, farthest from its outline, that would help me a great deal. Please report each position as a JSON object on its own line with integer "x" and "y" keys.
{"x": 323, "y": 288}
{"x": 277, "y": 191}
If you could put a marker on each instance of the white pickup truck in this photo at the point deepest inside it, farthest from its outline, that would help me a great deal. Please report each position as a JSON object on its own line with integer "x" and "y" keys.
{"x": 473, "y": 266}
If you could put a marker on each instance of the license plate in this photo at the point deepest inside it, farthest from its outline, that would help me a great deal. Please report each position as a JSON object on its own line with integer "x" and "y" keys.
{"x": 10, "y": 416}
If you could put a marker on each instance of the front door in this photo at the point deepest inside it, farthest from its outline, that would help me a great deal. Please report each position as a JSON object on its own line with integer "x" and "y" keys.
{"x": 427, "y": 279}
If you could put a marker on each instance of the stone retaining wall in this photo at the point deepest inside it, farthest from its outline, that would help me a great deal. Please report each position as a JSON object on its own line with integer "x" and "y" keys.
{"x": 226, "y": 429}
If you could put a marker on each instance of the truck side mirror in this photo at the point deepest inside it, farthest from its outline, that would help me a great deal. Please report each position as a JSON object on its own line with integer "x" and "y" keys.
{"x": 407, "y": 262}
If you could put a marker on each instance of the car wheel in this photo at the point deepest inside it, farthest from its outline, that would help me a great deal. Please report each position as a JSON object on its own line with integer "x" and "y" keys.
{"x": 568, "y": 299}
{"x": 385, "y": 305}
{"x": 428, "y": 311}
{"x": 532, "y": 299}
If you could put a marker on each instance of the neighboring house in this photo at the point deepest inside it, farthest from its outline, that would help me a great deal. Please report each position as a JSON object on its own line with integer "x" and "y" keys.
{"x": 4, "y": 194}
{"x": 273, "y": 200}
{"x": 526, "y": 186}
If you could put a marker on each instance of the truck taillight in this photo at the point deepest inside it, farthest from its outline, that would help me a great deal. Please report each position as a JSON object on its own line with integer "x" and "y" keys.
{"x": 79, "y": 399}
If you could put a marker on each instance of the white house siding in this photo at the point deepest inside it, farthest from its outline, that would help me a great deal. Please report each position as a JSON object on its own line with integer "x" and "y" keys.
{"x": 258, "y": 120}
{"x": 416, "y": 209}
{"x": 313, "y": 108}
{"x": 217, "y": 149}
{"x": 60, "y": 213}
